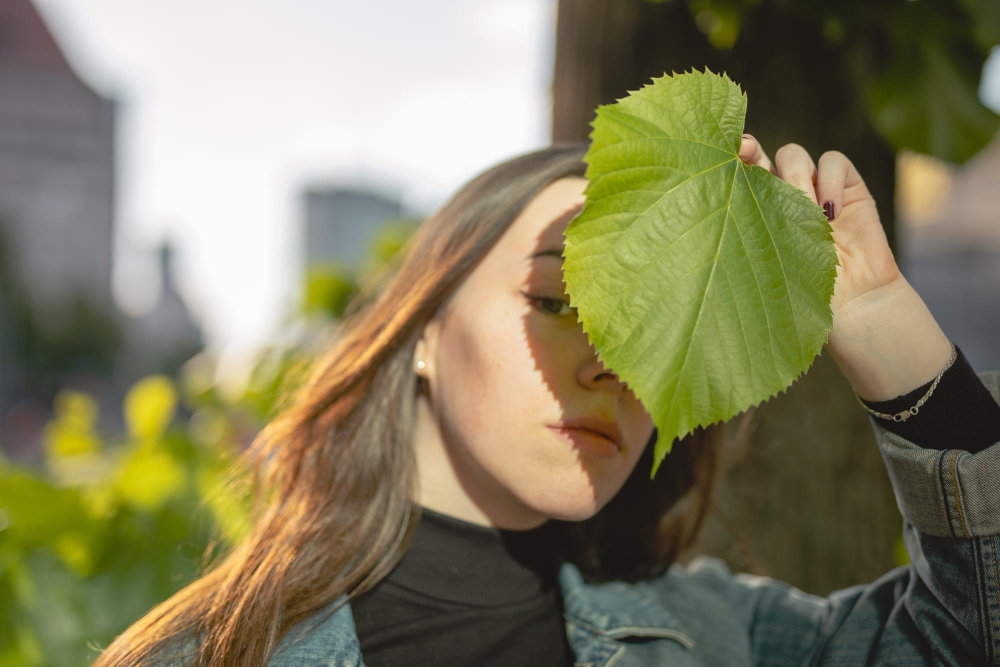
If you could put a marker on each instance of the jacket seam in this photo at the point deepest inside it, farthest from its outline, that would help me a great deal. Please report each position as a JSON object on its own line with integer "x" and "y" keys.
{"x": 958, "y": 495}
{"x": 944, "y": 493}
{"x": 583, "y": 624}
{"x": 980, "y": 567}
{"x": 996, "y": 568}
{"x": 660, "y": 633}
{"x": 993, "y": 649}
{"x": 657, "y": 632}
{"x": 615, "y": 656}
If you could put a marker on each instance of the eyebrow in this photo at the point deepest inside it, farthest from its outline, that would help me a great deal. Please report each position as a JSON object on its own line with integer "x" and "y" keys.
{"x": 553, "y": 252}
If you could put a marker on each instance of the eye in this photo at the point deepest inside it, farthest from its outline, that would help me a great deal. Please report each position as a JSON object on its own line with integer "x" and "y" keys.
{"x": 550, "y": 305}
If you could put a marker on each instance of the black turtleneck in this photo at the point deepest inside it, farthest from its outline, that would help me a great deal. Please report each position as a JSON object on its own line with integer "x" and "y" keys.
{"x": 466, "y": 594}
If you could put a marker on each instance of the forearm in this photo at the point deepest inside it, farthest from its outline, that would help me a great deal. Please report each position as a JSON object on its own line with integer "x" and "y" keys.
{"x": 887, "y": 342}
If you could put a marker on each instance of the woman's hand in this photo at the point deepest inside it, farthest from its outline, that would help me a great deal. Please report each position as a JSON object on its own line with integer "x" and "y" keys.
{"x": 884, "y": 338}
{"x": 866, "y": 262}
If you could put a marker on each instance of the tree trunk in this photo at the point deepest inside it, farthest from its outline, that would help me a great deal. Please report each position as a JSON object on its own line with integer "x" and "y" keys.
{"x": 808, "y": 500}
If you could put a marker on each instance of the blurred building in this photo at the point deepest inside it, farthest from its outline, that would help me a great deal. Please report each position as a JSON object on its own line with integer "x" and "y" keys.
{"x": 59, "y": 324}
{"x": 56, "y": 168}
{"x": 56, "y": 209}
{"x": 161, "y": 340}
{"x": 341, "y": 222}
{"x": 350, "y": 235}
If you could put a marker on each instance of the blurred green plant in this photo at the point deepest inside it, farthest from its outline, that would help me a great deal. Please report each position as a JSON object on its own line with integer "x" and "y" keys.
{"x": 331, "y": 287}
{"x": 899, "y": 553}
{"x": 107, "y": 530}
{"x": 112, "y": 526}
{"x": 920, "y": 85}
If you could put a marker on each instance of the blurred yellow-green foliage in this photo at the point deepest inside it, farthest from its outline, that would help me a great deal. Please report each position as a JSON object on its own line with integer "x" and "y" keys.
{"x": 109, "y": 529}
{"x": 112, "y": 526}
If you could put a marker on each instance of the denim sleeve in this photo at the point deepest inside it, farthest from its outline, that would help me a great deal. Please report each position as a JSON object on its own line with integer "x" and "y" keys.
{"x": 942, "y": 609}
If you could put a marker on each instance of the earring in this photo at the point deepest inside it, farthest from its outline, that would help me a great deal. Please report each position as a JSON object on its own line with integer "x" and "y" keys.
{"x": 421, "y": 364}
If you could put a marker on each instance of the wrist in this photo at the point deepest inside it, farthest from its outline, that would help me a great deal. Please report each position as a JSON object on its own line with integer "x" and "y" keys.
{"x": 887, "y": 342}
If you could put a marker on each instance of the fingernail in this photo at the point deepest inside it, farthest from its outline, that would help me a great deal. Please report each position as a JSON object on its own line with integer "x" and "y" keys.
{"x": 828, "y": 209}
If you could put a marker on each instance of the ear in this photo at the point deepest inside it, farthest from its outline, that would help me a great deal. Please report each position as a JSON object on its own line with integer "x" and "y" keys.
{"x": 426, "y": 350}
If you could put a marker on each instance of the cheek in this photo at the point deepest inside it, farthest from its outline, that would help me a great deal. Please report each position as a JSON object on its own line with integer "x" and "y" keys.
{"x": 644, "y": 423}
{"x": 494, "y": 401}
{"x": 490, "y": 387}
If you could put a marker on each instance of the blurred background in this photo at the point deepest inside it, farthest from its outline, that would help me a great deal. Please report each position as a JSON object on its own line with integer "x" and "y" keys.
{"x": 191, "y": 194}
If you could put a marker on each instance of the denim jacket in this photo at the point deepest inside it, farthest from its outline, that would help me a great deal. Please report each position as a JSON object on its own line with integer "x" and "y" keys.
{"x": 942, "y": 608}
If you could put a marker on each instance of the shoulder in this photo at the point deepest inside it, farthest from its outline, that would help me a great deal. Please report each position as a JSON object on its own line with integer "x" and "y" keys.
{"x": 327, "y": 637}
{"x": 682, "y": 596}
{"x": 702, "y": 575}
{"x": 705, "y": 584}
{"x": 688, "y": 604}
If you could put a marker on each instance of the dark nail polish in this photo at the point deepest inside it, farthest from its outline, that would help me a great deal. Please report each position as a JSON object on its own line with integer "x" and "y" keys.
{"x": 828, "y": 209}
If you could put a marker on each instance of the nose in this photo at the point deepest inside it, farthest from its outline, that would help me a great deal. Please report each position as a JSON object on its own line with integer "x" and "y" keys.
{"x": 593, "y": 374}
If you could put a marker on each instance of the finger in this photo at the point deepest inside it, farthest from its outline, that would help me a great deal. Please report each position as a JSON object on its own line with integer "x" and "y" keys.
{"x": 833, "y": 171}
{"x": 795, "y": 166}
{"x": 753, "y": 153}
{"x": 854, "y": 188}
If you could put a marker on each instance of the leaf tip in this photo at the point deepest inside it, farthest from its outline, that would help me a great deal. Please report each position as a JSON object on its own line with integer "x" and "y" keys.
{"x": 656, "y": 464}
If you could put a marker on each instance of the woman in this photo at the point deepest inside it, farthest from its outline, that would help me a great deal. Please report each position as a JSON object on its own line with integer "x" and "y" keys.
{"x": 461, "y": 481}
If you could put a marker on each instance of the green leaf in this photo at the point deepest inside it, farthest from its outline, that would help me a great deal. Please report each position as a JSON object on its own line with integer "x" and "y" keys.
{"x": 147, "y": 477}
{"x": 704, "y": 283}
{"x": 924, "y": 95}
{"x": 149, "y": 406}
{"x": 927, "y": 100}
{"x": 984, "y": 19}
{"x": 328, "y": 289}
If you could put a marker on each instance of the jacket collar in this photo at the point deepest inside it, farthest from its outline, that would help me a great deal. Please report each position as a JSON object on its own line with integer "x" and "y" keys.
{"x": 618, "y": 609}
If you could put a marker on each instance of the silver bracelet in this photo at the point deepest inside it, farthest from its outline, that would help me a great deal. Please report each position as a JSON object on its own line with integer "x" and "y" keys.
{"x": 905, "y": 414}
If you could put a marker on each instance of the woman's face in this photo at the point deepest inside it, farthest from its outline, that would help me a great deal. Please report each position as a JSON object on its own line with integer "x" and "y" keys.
{"x": 506, "y": 361}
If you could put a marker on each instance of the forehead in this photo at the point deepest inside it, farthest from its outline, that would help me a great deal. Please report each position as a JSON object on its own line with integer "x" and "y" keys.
{"x": 541, "y": 224}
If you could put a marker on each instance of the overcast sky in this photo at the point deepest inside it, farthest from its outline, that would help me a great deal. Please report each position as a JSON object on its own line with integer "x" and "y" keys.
{"x": 229, "y": 108}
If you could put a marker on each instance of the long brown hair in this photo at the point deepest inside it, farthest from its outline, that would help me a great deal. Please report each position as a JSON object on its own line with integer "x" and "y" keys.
{"x": 333, "y": 474}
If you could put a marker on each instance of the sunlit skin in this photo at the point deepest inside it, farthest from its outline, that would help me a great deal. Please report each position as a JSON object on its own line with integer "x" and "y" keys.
{"x": 507, "y": 357}
{"x": 501, "y": 367}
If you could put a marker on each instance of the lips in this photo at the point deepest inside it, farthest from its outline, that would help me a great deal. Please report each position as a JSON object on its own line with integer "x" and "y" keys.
{"x": 598, "y": 425}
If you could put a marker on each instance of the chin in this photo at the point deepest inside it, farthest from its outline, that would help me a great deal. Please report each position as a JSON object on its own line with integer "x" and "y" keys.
{"x": 572, "y": 502}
